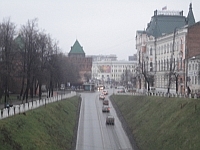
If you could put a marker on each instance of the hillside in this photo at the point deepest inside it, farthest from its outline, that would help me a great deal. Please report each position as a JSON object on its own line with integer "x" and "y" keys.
{"x": 160, "y": 123}
{"x": 47, "y": 128}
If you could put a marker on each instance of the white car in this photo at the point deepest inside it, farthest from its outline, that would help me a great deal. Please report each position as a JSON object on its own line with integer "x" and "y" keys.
{"x": 105, "y": 92}
{"x": 102, "y": 96}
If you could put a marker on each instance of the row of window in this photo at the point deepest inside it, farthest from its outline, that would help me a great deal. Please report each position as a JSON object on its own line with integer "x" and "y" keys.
{"x": 193, "y": 67}
{"x": 169, "y": 48}
{"x": 195, "y": 80}
{"x": 164, "y": 65}
{"x": 162, "y": 82}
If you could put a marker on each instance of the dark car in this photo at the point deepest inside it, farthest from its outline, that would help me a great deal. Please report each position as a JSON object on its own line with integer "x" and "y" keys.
{"x": 110, "y": 120}
{"x": 105, "y": 108}
{"x": 105, "y": 102}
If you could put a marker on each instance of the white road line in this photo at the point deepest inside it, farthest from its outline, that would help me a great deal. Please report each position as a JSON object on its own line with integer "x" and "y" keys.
{"x": 100, "y": 123}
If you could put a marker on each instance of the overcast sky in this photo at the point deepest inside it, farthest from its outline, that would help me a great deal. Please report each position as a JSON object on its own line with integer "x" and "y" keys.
{"x": 101, "y": 26}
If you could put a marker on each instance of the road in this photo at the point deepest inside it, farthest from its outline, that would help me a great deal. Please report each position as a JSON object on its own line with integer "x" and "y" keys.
{"x": 93, "y": 133}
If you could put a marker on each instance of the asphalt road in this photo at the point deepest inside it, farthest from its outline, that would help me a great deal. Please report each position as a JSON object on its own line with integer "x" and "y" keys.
{"x": 93, "y": 133}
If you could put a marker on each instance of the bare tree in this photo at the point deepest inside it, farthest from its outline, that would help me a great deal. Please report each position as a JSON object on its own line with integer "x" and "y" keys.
{"x": 172, "y": 65}
{"x": 29, "y": 36}
{"x": 7, "y": 34}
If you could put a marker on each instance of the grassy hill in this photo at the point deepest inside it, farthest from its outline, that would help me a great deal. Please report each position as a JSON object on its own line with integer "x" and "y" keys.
{"x": 46, "y": 128}
{"x": 160, "y": 123}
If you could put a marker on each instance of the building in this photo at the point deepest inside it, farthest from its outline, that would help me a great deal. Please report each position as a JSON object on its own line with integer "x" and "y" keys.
{"x": 112, "y": 71}
{"x": 193, "y": 58}
{"x": 83, "y": 63}
{"x": 111, "y": 57}
{"x": 193, "y": 81}
{"x": 132, "y": 58}
{"x": 161, "y": 52}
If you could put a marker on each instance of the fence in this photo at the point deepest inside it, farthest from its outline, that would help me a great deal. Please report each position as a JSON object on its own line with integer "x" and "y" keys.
{"x": 21, "y": 108}
{"x": 162, "y": 94}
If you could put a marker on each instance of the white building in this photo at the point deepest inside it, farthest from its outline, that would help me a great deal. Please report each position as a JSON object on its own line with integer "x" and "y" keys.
{"x": 194, "y": 74}
{"x": 109, "y": 71}
{"x": 111, "y": 57}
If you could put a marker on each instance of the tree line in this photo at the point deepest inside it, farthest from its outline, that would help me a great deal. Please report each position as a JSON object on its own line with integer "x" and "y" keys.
{"x": 30, "y": 58}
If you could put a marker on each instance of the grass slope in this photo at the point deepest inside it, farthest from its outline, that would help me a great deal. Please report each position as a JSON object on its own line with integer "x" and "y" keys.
{"x": 160, "y": 123}
{"x": 46, "y": 128}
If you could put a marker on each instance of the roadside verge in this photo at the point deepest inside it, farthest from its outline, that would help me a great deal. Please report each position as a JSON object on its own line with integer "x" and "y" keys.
{"x": 124, "y": 125}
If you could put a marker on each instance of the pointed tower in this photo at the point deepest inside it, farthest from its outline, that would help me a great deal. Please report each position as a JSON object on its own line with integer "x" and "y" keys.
{"x": 76, "y": 50}
{"x": 190, "y": 17}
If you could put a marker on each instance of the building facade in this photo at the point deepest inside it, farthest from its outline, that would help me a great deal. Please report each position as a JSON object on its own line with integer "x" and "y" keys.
{"x": 112, "y": 71}
{"x": 161, "y": 52}
{"x": 193, "y": 57}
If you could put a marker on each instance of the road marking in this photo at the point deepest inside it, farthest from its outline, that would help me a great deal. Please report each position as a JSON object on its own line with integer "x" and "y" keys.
{"x": 100, "y": 123}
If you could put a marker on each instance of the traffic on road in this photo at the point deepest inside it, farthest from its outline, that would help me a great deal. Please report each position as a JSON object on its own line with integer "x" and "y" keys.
{"x": 99, "y": 130}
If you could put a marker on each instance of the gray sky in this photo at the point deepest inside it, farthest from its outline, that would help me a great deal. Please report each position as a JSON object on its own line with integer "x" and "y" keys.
{"x": 101, "y": 26}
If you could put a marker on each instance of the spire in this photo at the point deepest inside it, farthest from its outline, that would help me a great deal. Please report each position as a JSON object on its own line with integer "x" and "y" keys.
{"x": 190, "y": 17}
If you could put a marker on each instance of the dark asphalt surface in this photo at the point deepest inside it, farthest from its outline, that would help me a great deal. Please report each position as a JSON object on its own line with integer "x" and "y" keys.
{"x": 93, "y": 133}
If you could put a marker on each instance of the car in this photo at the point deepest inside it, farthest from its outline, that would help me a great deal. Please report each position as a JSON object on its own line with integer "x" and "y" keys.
{"x": 102, "y": 96}
{"x": 105, "y": 108}
{"x": 105, "y": 102}
{"x": 121, "y": 90}
{"x": 105, "y": 92}
{"x": 110, "y": 120}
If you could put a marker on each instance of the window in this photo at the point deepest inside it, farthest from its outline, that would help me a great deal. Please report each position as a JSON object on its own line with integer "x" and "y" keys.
{"x": 195, "y": 80}
{"x": 181, "y": 80}
{"x": 164, "y": 65}
{"x": 167, "y": 48}
{"x": 164, "y": 49}
{"x": 161, "y": 49}
{"x": 151, "y": 53}
{"x": 167, "y": 64}
{"x": 170, "y": 47}
{"x": 177, "y": 46}
{"x": 181, "y": 64}
{"x": 151, "y": 66}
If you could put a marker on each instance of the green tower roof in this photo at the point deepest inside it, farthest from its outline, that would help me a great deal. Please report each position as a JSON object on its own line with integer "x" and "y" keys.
{"x": 77, "y": 48}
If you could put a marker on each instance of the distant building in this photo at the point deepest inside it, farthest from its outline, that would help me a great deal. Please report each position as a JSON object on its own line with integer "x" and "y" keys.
{"x": 111, "y": 71}
{"x": 132, "y": 58}
{"x": 110, "y": 57}
{"x": 84, "y": 64}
